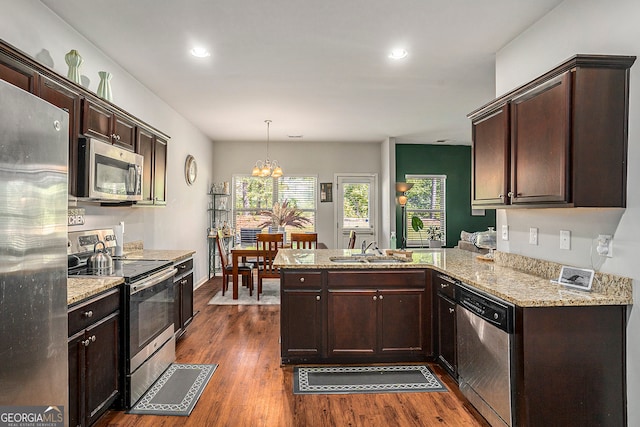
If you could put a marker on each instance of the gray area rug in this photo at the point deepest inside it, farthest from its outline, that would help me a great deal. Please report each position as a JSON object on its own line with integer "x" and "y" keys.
{"x": 365, "y": 379}
{"x": 176, "y": 392}
{"x": 270, "y": 295}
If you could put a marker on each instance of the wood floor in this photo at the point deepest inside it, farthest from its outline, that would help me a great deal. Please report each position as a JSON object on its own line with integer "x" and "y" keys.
{"x": 250, "y": 388}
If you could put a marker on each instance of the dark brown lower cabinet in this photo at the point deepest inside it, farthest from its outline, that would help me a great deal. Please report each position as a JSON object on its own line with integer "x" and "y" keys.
{"x": 366, "y": 316}
{"x": 94, "y": 361}
{"x": 570, "y": 366}
{"x": 183, "y": 292}
{"x": 446, "y": 312}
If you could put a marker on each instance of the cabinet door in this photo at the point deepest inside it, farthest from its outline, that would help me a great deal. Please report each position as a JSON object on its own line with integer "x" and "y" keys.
{"x": 97, "y": 121}
{"x": 144, "y": 147}
{"x": 490, "y": 158}
{"x": 68, "y": 100}
{"x": 352, "y": 322}
{"x": 18, "y": 74}
{"x": 76, "y": 380}
{"x": 447, "y": 334}
{"x": 301, "y": 323}
{"x": 124, "y": 132}
{"x": 186, "y": 300}
{"x": 103, "y": 378}
{"x": 540, "y": 138}
{"x": 160, "y": 172}
{"x": 401, "y": 316}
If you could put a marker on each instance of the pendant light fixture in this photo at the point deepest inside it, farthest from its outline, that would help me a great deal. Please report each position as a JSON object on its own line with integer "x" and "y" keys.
{"x": 267, "y": 167}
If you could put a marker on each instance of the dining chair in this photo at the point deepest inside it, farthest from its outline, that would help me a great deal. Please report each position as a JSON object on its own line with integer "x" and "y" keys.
{"x": 244, "y": 269}
{"x": 268, "y": 245}
{"x": 304, "y": 240}
{"x": 352, "y": 240}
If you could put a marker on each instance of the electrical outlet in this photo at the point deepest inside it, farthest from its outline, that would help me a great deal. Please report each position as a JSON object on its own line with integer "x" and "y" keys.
{"x": 533, "y": 236}
{"x": 605, "y": 245}
{"x": 565, "y": 239}
{"x": 505, "y": 232}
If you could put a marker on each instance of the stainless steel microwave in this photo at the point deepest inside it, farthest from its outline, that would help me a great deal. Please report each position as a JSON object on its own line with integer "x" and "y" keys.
{"x": 107, "y": 172}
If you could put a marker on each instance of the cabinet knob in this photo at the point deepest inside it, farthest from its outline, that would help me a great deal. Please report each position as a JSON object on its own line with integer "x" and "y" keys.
{"x": 93, "y": 338}
{"x": 375, "y": 297}
{"x": 88, "y": 314}
{"x": 451, "y": 310}
{"x": 302, "y": 280}
{"x": 317, "y": 297}
{"x": 86, "y": 343}
{"x": 183, "y": 282}
{"x": 381, "y": 297}
{"x": 444, "y": 285}
{"x": 510, "y": 194}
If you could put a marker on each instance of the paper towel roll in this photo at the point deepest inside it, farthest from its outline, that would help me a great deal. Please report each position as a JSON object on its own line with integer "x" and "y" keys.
{"x": 119, "y": 231}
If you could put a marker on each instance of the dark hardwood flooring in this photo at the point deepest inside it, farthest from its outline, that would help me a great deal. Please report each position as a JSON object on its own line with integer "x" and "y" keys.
{"x": 251, "y": 388}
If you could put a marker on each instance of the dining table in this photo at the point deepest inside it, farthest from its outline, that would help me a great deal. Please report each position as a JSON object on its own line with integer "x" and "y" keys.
{"x": 242, "y": 251}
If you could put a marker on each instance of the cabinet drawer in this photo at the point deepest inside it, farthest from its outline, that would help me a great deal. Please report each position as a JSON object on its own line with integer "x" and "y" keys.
{"x": 92, "y": 310}
{"x": 184, "y": 266}
{"x": 444, "y": 284}
{"x": 377, "y": 279}
{"x": 302, "y": 279}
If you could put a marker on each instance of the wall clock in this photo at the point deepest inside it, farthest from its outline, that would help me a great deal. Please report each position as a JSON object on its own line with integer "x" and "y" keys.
{"x": 190, "y": 169}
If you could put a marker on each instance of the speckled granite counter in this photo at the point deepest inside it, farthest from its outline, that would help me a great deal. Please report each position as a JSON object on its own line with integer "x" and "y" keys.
{"x": 526, "y": 289}
{"x": 79, "y": 289}
{"x": 159, "y": 255}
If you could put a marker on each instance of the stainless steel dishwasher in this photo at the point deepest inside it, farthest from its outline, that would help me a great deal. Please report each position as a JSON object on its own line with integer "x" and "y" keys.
{"x": 485, "y": 347}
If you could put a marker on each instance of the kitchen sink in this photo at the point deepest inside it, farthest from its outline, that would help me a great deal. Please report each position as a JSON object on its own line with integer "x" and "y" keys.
{"x": 346, "y": 260}
{"x": 371, "y": 259}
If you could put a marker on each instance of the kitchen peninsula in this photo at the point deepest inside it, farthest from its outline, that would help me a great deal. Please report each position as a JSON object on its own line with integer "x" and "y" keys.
{"x": 567, "y": 351}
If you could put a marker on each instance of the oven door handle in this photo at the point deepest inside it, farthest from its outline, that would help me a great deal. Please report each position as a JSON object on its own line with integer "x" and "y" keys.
{"x": 152, "y": 280}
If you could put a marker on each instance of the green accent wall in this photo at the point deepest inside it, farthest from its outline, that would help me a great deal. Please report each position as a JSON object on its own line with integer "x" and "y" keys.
{"x": 454, "y": 161}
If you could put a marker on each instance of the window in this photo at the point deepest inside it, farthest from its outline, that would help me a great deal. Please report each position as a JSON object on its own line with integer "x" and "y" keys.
{"x": 253, "y": 196}
{"x": 426, "y": 200}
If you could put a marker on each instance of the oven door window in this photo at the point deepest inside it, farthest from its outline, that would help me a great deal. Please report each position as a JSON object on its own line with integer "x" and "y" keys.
{"x": 151, "y": 312}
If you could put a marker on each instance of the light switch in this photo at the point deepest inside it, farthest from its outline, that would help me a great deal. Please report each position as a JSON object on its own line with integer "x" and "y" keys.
{"x": 505, "y": 232}
{"x": 565, "y": 239}
{"x": 533, "y": 236}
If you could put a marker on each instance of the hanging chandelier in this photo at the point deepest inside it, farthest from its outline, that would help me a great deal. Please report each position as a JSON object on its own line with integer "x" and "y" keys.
{"x": 267, "y": 167}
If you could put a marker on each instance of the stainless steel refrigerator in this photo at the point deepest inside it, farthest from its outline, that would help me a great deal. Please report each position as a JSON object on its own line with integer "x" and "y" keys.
{"x": 33, "y": 263}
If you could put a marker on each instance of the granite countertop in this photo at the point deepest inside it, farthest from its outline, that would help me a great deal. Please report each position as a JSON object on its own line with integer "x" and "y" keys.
{"x": 159, "y": 254}
{"x": 79, "y": 289}
{"x": 529, "y": 288}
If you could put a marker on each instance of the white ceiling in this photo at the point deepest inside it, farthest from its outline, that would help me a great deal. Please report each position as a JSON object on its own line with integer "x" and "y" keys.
{"x": 315, "y": 68}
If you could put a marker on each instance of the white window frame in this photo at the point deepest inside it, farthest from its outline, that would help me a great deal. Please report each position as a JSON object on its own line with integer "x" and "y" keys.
{"x": 416, "y": 242}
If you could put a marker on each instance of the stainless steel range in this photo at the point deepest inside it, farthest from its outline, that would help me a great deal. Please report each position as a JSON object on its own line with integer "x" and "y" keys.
{"x": 148, "y": 309}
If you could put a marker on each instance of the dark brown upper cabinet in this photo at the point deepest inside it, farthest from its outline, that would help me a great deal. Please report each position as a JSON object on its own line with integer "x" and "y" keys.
{"x": 103, "y": 123}
{"x": 154, "y": 171}
{"x": 558, "y": 141}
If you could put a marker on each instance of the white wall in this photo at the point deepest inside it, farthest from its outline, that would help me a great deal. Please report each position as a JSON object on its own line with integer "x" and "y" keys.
{"x": 182, "y": 224}
{"x": 598, "y": 27}
{"x": 323, "y": 159}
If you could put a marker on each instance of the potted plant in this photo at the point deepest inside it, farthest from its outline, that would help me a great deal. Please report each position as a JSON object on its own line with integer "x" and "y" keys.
{"x": 283, "y": 214}
{"x": 434, "y": 236}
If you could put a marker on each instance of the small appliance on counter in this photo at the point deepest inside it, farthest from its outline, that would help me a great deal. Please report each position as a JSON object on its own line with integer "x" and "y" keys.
{"x": 148, "y": 308}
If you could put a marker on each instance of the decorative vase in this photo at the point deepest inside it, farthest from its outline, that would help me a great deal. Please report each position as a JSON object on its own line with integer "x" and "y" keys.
{"x": 104, "y": 87}
{"x": 73, "y": 60}
{"x": 283, "y": 232}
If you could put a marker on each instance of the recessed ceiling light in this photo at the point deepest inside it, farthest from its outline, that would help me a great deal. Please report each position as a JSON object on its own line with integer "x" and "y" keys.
{"x": 200, "y": 52}
{"x": 398, "y": 54}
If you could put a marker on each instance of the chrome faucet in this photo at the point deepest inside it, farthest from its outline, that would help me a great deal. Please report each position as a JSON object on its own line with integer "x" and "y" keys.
{"x": 366, "y": 247}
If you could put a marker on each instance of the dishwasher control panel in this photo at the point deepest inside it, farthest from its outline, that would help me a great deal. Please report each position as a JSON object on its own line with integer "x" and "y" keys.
{"x": 494, "y": 311}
